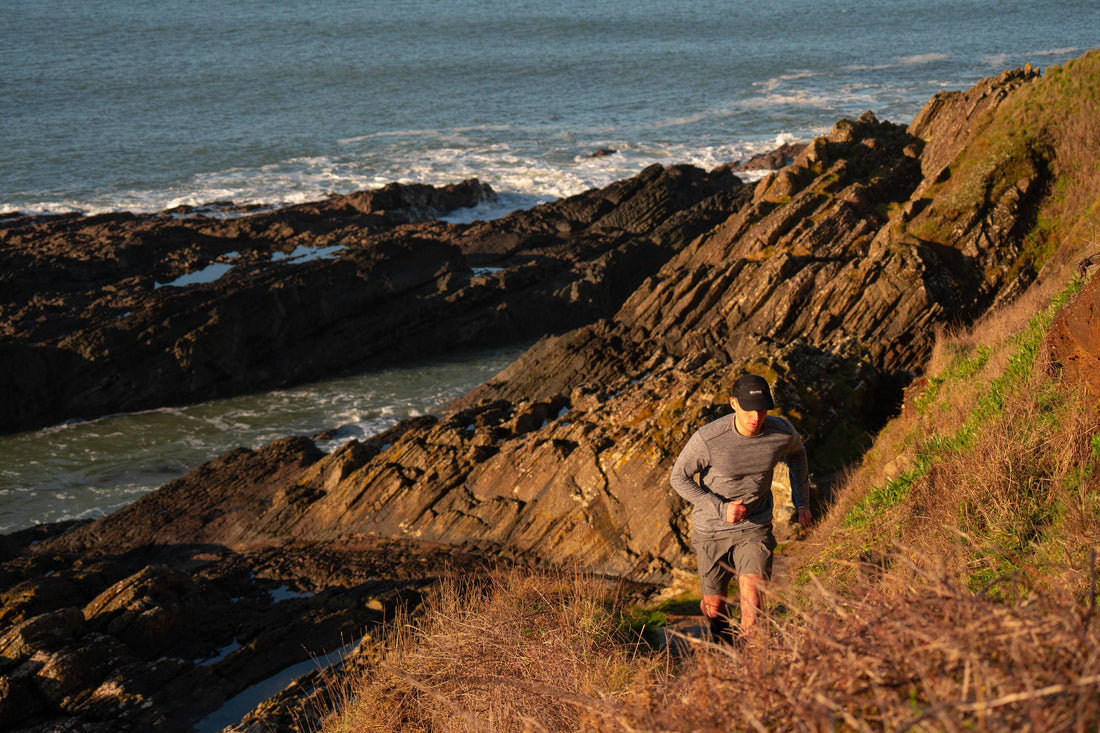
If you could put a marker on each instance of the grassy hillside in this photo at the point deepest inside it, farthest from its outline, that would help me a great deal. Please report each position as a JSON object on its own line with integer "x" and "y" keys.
{"x": 1050, "y": 126}
{"x": 951, "y": 585}
{"x": 988, "y": 478}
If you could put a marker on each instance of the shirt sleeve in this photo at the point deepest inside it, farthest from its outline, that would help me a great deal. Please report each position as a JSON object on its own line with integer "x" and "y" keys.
{"x": 695, "y": 459}
{"x": 799, "y": 469}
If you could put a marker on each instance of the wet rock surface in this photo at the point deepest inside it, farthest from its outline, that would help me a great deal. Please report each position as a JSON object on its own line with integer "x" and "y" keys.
{"x": 829, "y": 277}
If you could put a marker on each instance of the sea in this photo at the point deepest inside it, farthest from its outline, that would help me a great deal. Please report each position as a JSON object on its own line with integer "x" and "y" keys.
{"x": 109, "y": 105}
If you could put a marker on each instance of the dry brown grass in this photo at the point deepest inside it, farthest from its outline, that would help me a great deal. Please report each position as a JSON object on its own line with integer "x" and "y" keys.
{"x": 507, "y": 651}
{"x": 539, "y": 654}
{"x": 939, "y": 659}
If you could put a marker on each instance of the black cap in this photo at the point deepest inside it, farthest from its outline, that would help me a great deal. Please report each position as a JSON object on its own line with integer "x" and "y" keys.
{"x": 752, "y": 393}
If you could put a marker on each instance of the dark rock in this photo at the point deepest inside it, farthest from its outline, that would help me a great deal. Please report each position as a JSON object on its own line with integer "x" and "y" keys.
{"x": 45, "y": 633}
{"x": 63, "y": 675}
{"x": 92, "y": 322}
{"x": 772, "y": 160}
{"x": 36, "y": 596}
{"x": 168, "y": 645}
{"x": 153, "y": 612}
{"x": 19, "y": 700}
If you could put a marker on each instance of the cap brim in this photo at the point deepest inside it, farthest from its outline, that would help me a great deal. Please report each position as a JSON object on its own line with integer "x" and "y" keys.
{"x": 756, "y": 403}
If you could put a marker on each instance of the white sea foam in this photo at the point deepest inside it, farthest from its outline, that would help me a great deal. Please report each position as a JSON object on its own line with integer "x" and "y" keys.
{"x": 1067, "y": 51}
{"x": 923, "y": 58}
{"x": 869, "y": 67}
{"x": 1005, "y": 60}
{"x": 523, "y": 172}
{"x": 774, "y": 82}
{"x": 804, "y": 98}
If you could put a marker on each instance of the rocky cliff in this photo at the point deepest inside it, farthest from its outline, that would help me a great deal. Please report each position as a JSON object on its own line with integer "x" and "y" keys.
{"x": 830, "y": 277}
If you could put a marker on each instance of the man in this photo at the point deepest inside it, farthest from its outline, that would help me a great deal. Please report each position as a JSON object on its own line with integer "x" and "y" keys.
{"x": 734, "y": 458}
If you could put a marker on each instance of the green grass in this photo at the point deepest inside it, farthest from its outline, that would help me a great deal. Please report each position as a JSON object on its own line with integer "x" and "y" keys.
{"x": 867, "y": 531}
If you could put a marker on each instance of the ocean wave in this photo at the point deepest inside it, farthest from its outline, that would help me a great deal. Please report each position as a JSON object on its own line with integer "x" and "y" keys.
{"x": 1069, "y": 51}
{"x": 923, "y": 58}
{"x": 520, "y": 178}
{"x": 774, "y": 82}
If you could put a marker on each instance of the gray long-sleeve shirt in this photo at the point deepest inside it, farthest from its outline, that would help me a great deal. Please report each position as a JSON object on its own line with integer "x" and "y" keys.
{"x": 731, "y": 466}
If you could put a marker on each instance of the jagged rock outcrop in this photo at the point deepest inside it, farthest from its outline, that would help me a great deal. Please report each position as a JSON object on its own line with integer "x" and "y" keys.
{"x": 817, "y": 282}
{"x": 837, "y": 250}
{"x": 821, "y": 282}
{"x": 95, "y": 319}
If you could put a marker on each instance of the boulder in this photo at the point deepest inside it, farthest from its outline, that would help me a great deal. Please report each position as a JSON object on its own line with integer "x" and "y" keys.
{"x": 44, "y": 633}
{"x": 1073, "y": 341}
{"x": 772, "y": 160}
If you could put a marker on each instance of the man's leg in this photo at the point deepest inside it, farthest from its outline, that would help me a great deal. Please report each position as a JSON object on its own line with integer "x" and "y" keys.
{"x": 753, "y": 559}
{"x": 713, "y": 606}
{"x": 716, "y": 610}
{"x": 751, "y": 587}
{"x": 715, "y": 574}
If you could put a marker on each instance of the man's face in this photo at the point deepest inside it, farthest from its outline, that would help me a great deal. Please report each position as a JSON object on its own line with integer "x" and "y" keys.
{"x": 748, "y": 422}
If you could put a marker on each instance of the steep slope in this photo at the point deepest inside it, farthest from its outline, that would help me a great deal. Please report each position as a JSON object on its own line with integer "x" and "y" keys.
{"x": 990, "y": 478}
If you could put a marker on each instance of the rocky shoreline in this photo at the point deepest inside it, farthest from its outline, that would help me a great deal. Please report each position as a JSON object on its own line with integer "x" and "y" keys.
{"x": 829, "y": 277}
{"x": 93, "y": 322}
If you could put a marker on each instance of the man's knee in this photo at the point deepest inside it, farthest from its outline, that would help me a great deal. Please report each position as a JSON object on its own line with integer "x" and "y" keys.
{"x": 751, "y": 584}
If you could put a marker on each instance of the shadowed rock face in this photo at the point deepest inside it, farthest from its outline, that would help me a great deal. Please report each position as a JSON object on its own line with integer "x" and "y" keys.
{"x": 92, "y": 324}
{"x": 828, "y": 277}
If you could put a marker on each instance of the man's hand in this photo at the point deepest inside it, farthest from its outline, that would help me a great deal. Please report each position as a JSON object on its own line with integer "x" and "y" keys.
{"x": 804, "y": 516}
{"x": 736, "y": 511}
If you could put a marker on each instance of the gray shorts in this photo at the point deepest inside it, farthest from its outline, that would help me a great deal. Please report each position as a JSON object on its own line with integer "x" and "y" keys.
{"x": 730, "y": 554}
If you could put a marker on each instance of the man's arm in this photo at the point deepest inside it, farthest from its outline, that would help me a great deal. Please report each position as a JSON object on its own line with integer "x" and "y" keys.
{"x": 799, "y": 470}
{"x": 695, "y": 459}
